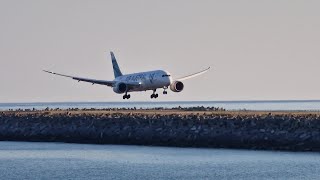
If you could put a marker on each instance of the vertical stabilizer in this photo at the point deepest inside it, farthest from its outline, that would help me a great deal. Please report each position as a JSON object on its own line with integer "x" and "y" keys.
{"x": 116, "y": 70}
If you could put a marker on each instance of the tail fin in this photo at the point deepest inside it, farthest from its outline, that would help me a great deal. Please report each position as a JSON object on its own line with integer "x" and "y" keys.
{"x": 116, "y": 70}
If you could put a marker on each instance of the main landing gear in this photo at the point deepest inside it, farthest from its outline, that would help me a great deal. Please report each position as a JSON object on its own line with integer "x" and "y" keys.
{"x": 153, "y": 95}
{"x": 126, "y": 96}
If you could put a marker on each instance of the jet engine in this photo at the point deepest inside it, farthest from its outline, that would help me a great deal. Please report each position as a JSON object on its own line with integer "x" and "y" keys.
{"x": 177, "y": 86}
{"x": 120, "y": 88}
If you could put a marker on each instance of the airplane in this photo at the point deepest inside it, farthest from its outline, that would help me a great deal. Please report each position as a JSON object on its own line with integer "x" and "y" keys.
{"x": 143, "y": 81}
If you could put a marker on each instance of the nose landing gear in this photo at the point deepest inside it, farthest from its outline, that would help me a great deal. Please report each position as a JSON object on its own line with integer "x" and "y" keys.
{"x": 165, "y": 90}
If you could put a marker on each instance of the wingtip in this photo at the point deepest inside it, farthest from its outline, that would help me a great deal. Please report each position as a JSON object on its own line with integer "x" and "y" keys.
{"x": 47, "y": 71}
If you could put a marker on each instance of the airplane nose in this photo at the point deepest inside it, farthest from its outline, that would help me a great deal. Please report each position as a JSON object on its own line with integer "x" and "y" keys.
{"x": 170, "y": 80}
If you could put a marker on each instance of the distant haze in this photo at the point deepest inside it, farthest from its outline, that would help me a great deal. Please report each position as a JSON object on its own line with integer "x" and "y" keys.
{"x": 258, "y": 50}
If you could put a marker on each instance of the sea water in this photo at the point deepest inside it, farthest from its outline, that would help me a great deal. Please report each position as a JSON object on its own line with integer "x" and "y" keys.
{"x": 30, "y": 160}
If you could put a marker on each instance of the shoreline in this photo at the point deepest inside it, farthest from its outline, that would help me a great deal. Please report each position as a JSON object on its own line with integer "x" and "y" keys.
{"x": 289, "y": 131}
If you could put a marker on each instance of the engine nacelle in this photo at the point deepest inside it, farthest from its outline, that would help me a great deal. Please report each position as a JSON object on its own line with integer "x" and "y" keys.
{"x": 120, "y": 88}
{"x": 177, "y": 86}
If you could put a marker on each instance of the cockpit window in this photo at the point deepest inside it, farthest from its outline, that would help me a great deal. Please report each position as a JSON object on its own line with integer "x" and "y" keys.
{"x": 166, "y": 75}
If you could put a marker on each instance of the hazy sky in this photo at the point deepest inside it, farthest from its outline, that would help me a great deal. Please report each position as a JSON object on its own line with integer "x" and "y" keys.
{"x": 259, "y": 50}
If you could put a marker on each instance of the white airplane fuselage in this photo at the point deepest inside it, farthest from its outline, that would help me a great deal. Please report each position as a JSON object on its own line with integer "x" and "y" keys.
{"x": 149, "y": 80}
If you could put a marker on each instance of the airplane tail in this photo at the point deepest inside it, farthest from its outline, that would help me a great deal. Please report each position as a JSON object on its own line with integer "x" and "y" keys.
{"x": 116, "y": 70}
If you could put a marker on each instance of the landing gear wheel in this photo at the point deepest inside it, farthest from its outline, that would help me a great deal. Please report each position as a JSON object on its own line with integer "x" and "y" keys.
{"x": 165, "y": 90}
{"x": 154, "y": 96}
{"x": 126, "y": 96}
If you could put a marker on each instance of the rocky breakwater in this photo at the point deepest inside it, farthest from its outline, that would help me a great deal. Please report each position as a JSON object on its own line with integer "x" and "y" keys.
{"x": 296, "y": 132}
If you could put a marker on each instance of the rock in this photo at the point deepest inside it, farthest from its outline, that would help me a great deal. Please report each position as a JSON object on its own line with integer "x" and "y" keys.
{"x": 193, "y": 128}
{"x": 277, "y": 132}
{"x": 272, "y": 131}
{"x": 304, "y": 136}
{"x": 262, "y": 130}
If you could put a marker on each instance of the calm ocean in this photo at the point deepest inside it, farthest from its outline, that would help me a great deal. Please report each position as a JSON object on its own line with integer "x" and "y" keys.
{"x": 29, "y": 160}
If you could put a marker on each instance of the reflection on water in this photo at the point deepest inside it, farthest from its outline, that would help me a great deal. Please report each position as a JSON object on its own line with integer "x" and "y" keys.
{"x": 24, "y": 160}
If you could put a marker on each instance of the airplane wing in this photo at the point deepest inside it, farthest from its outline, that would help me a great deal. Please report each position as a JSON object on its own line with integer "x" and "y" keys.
{"x": 193, "y": 75}
{"x": 93, "y": 81}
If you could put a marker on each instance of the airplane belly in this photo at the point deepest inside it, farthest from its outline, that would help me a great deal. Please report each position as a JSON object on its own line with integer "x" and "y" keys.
{"x": 147, "y": 86}
{"x": 154, "y": 85}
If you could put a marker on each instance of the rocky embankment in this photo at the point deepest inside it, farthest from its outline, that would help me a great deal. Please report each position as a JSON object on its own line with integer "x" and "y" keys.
{"x": 283, "y": 131}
